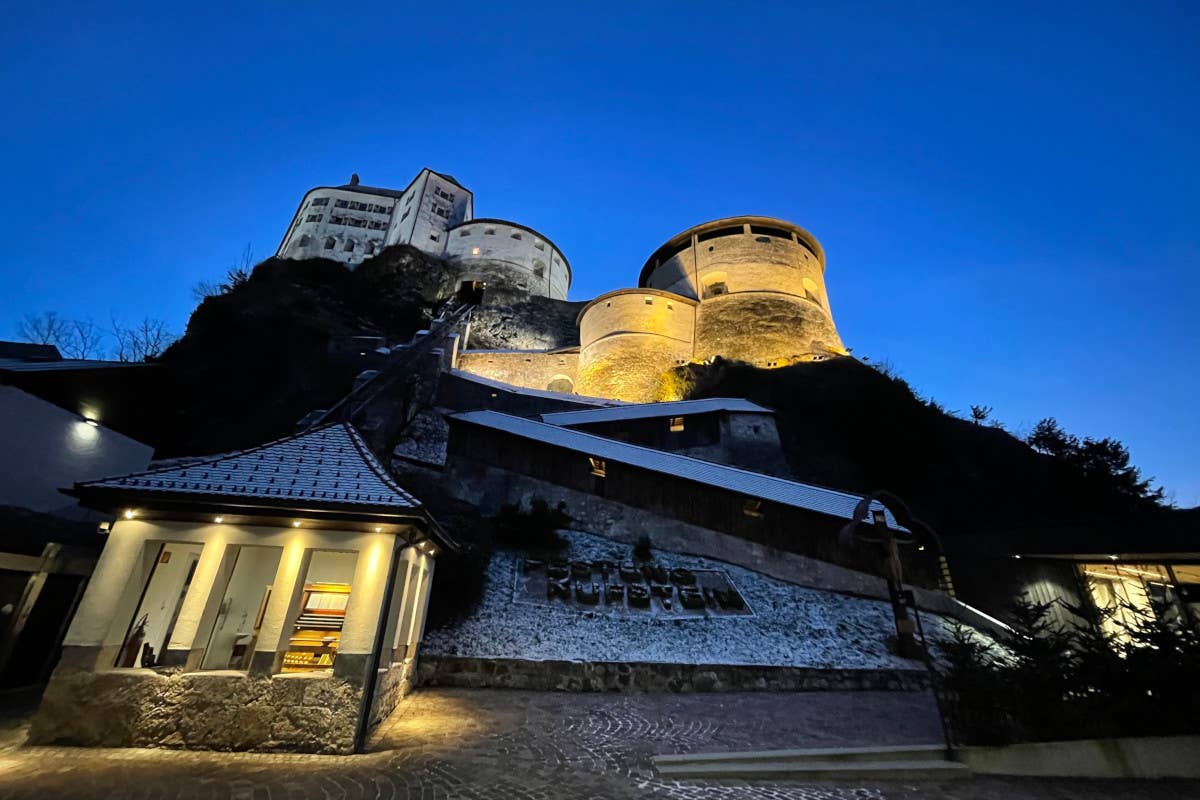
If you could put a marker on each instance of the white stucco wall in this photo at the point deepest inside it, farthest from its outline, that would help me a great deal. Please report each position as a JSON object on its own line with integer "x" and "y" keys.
{"x": 121, "y": 573}
{"x": 49, "y": 448}
{"x": 412, "y": 218}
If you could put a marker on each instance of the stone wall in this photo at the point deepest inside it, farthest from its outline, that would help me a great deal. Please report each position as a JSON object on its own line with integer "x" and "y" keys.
{"x": 605, "y": 676}
{"x": 528, "y": 369}
{"x": 391, "y": 686}
{"x": 198, "y": 710}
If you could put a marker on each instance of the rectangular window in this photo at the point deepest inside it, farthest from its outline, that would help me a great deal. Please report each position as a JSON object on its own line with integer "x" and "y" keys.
{"x": 752, "y": 508}
{"x": 248, "y": 578}
{"x": 599, "y": 468}
{"x": 314, "y": 217}
{"x": 433, "y": 236}
{"x": 1129, "y": 593}
{"x": 341, "y": 204}
{"x": 169, "y": 567}
{"x": 321, "y": 201}
{"x": 539, "y": 246}
{"x": 405, "y": 215}
{"x": 316, "y": 631}
{"x": 676, "y": 424}
{"x": 464, "y": 233}
{"x": 516, "y": 236}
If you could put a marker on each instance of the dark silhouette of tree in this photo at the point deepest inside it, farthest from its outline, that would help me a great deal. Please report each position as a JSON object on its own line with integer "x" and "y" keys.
{"x": 979, "y": 414}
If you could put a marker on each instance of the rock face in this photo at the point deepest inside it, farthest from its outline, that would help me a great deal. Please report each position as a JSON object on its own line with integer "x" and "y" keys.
{"x": 510, "y": 320}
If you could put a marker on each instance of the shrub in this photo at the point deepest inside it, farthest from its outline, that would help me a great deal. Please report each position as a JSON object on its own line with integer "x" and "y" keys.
{"x": 1075, "y": 682}
{"x": 535, "y": 530}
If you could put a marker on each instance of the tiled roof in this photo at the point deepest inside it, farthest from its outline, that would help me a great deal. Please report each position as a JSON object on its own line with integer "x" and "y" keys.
{"x": 521, "y": 390}
{"x": 677, "y": 408}
{"x": 328, "y": 465}
{"x": 752, "y": 484}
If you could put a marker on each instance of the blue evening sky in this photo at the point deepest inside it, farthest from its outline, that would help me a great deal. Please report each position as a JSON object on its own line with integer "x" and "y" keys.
{"x": 1008, "y": 193}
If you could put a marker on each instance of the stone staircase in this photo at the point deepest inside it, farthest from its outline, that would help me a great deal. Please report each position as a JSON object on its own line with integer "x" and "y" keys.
{"x": 908, "y": 762}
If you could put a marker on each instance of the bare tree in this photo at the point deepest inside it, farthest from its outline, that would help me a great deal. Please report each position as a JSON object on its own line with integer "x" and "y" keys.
{"x": 979, "y": 414}
{"x": 45, "y": 328}
{"x": 142, "y": 340}
{"x": 74, "y": 338}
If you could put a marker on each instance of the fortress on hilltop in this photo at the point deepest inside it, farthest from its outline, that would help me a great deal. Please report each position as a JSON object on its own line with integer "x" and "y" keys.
{"x": 744, "y": 288}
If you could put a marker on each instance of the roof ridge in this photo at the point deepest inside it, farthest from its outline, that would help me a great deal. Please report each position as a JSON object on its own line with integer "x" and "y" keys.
{"x": 373, "y": 463}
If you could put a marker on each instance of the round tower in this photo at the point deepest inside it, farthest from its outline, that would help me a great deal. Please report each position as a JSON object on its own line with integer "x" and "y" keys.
{"x": 629, "y": 339}
{"x": 509, "y": 255}
{"x": 760, "y": 284}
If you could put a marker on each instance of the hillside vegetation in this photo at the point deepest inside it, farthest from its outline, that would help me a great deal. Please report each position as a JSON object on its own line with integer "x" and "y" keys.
{"x": 261, "y": 355}
{"x": 848, "y": 425}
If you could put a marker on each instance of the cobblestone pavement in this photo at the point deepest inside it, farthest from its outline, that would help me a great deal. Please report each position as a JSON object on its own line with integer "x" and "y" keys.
{"x": 509, "y": 745}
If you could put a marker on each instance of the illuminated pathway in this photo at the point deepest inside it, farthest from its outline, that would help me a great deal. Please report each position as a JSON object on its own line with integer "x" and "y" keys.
{"x": 477, "y": 744}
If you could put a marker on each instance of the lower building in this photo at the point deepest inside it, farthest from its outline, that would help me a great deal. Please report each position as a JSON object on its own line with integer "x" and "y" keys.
{"x": 269, "y": 599}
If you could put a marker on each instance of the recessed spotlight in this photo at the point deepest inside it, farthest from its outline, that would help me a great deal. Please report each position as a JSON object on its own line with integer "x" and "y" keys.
{"x": 91, "y": 422}
{"x": 378, "y": 529}
{"x": 218, "y": 520}
{"x": 130, "y": 513}
{"x": 296, "y": 523}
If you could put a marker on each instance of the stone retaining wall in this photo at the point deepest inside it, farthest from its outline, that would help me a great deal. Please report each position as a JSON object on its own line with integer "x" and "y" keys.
{"x": 603, "y": 676}
{"x": 198, "y": 710}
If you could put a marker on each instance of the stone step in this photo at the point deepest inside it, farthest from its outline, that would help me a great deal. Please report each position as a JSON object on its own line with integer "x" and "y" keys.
{"x": 806, "y": 770}
{"x": 923, "y": 752}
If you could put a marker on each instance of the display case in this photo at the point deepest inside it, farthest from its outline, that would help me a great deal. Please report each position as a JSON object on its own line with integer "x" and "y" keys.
{"x": 318, "y": 628}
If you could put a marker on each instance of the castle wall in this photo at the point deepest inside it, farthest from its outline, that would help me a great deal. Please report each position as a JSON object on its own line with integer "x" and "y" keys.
{"x": 527, "y": 368}
{"x": 509, "y": 255}
{"x": 629, "y": 339}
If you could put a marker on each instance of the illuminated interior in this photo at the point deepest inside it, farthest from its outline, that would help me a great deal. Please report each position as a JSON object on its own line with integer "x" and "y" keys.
{"x": 317, "y": 631}
{"x": 1135, "y": 593}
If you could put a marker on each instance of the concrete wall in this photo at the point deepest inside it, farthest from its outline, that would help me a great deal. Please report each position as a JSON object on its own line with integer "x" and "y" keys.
{"x": 50, "y": 448}
{"x": 89, "y": 702}
{"x": 628, "y": 340}
{"x": 529, "y": 369}
{"x": 1134, "y": 757}
{"x": 509, "y": 255}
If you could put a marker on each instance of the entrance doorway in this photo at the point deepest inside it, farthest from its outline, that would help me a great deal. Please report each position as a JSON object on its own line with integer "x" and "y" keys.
{"x": 471, "y": 292}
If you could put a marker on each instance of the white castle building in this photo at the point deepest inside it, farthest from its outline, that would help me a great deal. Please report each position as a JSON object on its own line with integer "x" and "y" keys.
{"x": 435, "y": 213}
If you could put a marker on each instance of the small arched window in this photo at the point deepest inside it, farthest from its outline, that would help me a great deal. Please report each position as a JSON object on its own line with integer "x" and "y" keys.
{"x": 330, "y": 243}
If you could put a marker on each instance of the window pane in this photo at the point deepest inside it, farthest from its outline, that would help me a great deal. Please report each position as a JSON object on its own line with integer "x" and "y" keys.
{"x": 239, "y": 617}
{"x": 318, "y": 626}
{"x": 152, "y": 623}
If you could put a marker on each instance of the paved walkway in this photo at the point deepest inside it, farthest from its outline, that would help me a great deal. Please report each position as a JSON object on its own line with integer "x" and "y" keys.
{"x": 509, "y": 745}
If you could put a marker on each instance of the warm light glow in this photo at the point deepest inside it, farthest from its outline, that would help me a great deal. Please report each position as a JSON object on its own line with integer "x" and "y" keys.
{"x": 378, "y": 529}
{"x": 218, "y": 520}
{"x": 130, "y": 513}
{"x": 296, "y": 523}
{"x": 92, "y": 422}
{"x": 1016, "y": 556}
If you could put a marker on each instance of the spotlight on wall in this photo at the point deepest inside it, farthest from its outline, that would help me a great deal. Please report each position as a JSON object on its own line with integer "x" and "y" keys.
{"x": 91, "y": 422}
{"x": 1016, "y": 555}
{"x": 130, "y": 513}
{"x": 218, "y": 520}
{"x": 296, "y": 523}
{"x": 378, "y": 529}
{"x": 1112, "y": 558}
